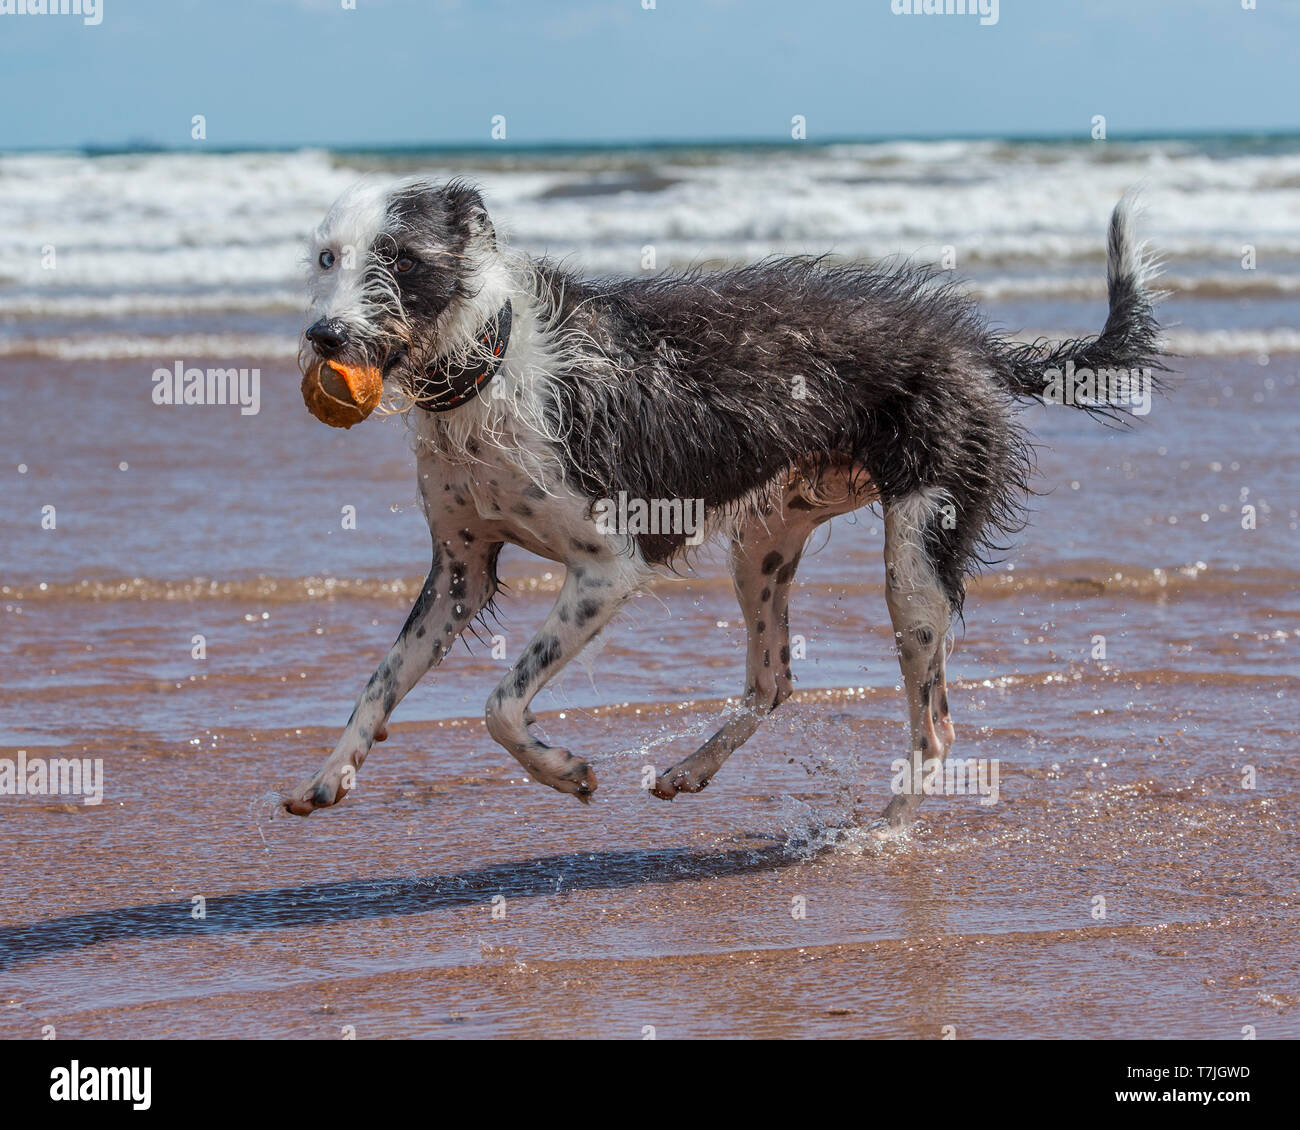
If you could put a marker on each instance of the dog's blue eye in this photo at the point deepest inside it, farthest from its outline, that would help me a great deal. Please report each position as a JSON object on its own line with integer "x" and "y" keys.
{"x": 327, "y": 259}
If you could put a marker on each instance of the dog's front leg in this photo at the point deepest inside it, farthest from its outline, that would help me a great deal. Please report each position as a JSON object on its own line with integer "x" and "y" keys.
{"x": 460, "y": 583}
{"x": 592, "y": 592}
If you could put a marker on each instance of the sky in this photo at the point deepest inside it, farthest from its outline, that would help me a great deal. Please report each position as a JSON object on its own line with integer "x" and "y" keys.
{"x": 435, "y": 72}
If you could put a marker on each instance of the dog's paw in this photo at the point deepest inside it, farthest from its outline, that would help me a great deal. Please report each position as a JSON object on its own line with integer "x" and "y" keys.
{"x": 883, "y": 830}
{"x": 314, "y": 793}
{"x": 678, "y": 780}
{"x": 564, "y": 773}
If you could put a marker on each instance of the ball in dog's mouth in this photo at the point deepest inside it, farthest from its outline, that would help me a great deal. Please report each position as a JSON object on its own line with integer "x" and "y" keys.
{"x": 341, "y": 395}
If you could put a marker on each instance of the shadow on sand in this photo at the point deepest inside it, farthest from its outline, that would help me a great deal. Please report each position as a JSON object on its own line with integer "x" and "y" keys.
{"x": 315, "y": 904}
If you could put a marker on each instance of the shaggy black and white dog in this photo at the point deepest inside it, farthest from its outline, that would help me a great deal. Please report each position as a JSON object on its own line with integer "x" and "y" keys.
{"x": 764, "y": 400}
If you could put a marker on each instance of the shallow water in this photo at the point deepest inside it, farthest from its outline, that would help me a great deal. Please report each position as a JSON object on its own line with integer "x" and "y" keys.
{"x": 758, "y": 908}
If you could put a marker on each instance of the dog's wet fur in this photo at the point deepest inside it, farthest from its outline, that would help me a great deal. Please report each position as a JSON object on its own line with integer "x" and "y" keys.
{"x": 781, "y": 394}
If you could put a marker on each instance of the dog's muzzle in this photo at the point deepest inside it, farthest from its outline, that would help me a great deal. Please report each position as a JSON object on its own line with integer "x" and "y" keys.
{"x": 336, "y": 392}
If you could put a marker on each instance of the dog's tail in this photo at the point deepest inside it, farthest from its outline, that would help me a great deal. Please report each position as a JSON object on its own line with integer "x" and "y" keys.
{"x": 1129, "y": 342}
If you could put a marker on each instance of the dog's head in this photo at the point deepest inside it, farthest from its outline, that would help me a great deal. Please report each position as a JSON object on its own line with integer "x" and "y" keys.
{"x": 400, "y": 275}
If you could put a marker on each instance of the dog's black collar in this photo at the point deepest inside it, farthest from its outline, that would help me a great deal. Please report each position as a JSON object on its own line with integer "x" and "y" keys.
{"x": 444, "y": 387}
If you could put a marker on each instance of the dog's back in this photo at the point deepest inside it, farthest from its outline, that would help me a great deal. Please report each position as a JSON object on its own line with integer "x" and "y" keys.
{"x": 719, "y": 383}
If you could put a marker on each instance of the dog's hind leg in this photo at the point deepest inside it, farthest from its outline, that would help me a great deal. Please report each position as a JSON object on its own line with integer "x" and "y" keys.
{"x": 763, "y": 563}
{"x": 592, "y": 592}
{"x": 922, "y": 614}
{"x": 460, "y": 583}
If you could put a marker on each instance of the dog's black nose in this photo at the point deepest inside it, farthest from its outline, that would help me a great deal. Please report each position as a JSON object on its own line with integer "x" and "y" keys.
{"x": 328, "y": 336}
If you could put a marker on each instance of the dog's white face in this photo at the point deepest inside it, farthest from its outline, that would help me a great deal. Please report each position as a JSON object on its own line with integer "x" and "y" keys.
{"x": 396, "y": 274}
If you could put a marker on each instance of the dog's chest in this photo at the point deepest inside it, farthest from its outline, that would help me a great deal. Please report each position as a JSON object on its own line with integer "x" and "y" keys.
{"x": 496, "y": 499}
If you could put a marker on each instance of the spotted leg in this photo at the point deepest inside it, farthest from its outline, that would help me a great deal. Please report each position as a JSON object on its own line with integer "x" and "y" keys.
{"x": 921, "y": 614}
{"x": 762, "y": 569}
{"x": 592, "y": 592}
{"x": 460, "y": 583}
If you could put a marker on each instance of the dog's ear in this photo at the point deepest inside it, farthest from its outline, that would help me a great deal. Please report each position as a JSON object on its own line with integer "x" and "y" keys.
{"x": 481, "y": 226}
{"x": 468, "y": 211}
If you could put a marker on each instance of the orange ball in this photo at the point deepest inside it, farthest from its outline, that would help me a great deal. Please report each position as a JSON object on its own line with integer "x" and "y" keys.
{"x": 341, "y": 395}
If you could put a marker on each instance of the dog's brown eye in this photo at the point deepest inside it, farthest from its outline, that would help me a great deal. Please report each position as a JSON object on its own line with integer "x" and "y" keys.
{"x": 327, "y": 259}
{"x": 404, "y": 264}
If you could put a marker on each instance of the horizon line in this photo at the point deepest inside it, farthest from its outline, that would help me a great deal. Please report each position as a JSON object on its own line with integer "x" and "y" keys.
{"x": 145, "y": 145}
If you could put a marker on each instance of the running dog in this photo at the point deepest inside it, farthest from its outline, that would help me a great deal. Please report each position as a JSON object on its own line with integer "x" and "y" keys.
{"x": 767, "y": 399}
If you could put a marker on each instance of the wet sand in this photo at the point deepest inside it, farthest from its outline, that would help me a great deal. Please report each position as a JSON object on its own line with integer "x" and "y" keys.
{"x": 380, "y": 915}
{"x": 1121, "y": 778}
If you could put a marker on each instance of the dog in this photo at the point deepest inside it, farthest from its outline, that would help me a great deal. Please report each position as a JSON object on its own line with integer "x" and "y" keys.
{"x": 776, "y": 396}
